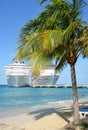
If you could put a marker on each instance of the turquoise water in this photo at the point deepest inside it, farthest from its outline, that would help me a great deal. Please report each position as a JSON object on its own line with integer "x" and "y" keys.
{"x": 14, "y": 98}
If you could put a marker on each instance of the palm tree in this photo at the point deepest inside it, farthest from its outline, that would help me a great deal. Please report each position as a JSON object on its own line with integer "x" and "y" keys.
{"x": 55, "y": 35}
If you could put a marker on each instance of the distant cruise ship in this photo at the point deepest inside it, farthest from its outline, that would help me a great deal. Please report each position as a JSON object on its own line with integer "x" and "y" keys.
{"x": 20, "y": 74}
{"x": 17, "y": 74}
{"x": 46, "y": 77}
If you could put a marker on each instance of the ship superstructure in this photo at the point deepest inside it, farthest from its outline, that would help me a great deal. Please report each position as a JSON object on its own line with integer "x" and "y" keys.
{"x": 46, "y": 77}
{"x": 17, "y": 74}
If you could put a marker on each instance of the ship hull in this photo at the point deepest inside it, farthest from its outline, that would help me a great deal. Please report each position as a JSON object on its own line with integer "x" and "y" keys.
{"x": 45, "y": 80}
{"x": 18, "y": 80}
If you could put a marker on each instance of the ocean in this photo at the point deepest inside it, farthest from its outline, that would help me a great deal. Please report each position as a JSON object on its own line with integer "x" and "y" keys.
{"x": 23, "y": 97}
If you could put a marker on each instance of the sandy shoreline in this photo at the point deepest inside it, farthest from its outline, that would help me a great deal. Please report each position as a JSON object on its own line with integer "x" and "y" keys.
{"x": 52, "y": 116}
{"x": 14, "y": 112}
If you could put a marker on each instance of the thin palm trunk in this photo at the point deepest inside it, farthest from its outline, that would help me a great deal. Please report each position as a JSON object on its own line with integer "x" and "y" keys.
{"x": 75, "y": 95}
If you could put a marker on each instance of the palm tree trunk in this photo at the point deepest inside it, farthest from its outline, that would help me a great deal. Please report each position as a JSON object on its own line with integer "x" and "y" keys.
{"x": 75, "y": 96}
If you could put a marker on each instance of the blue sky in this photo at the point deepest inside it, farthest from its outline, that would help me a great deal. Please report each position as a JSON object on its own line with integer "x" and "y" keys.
{"x": 13, "y": 15}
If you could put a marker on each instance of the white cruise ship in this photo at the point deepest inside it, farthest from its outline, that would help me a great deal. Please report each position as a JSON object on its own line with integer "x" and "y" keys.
{"x": 46, "y": 77}
{"x": 17, "y": 74}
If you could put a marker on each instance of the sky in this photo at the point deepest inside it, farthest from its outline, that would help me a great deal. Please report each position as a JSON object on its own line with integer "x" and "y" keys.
{"x": 13, "y": 15}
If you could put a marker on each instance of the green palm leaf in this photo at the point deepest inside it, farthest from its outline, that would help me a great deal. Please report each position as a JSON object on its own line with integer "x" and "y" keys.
{"x": 51, "y": 39}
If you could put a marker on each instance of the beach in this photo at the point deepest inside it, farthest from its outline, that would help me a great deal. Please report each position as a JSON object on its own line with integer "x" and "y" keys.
{"x": 37, "y": 108}
{"x": 52, "y": 116}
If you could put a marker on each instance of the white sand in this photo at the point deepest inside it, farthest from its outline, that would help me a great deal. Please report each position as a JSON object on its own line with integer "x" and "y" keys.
{"x": 50, "y": 122}
{"x": 53, "y": 116}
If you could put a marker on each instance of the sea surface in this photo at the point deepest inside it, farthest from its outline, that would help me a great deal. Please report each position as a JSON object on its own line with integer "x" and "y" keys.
{"x": 23, "y": 97}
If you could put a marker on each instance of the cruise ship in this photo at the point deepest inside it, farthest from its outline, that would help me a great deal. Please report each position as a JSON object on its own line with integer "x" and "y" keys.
{"x": 17, "y": 74}
{"x": 46, "y": 77}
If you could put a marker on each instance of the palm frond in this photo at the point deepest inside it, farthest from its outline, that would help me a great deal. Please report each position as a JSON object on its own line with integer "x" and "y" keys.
{"x": 79, "y": 4}
{"x": 84, "y": 40}
{"x": 77, "y": 8}
{"x": 71, "y": 29}
{"x": 62, "y": 62}
{"x": 42, "y": 1}
{"x": 40, "y": 61}
{"x": 51, "y": 39}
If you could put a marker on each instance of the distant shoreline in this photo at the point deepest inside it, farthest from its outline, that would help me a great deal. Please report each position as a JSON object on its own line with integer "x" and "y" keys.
{"x": 51, "y": 86}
